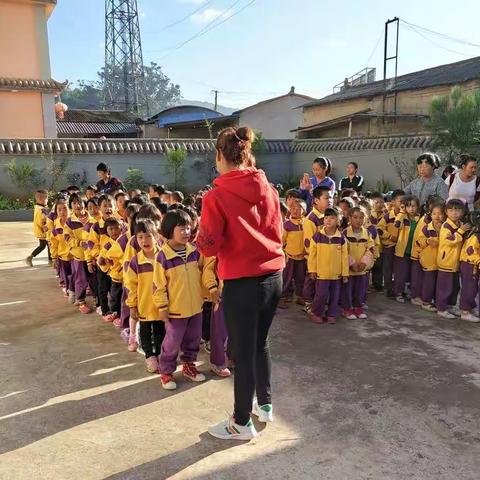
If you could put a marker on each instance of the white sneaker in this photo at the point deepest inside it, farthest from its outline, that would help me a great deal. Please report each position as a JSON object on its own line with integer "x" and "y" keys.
{"x": 446, "y": 314}
{"x": 229, "y": 430}
{"x": 71, "y": 297}
{"x": 264, "y": 412}
{"x": 429, "y": 307}
{"x": 469, "y": 317}
{"x": 417, "y": 301}
{"x": 399, "y": 299}
{"x": 455, "y": 311}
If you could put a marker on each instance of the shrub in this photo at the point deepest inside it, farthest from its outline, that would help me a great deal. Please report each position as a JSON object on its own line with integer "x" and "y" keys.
{"x": 77, "y": 178}
{"x": 134, "y": 179}
{"x": 176, "y": 162}
{"x": 25, "y": 175}
{"x": 10, "y": 203}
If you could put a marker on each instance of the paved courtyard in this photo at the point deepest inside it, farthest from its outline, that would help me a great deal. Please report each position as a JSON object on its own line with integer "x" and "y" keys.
{"x": 394, "y": 397}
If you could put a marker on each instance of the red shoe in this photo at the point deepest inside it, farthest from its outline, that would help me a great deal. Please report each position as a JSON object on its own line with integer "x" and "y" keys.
{"x": 331, "y": 320}
{"x": 360, "y": 313}
{"x": 168, "y": 383}
{"x": 132, "y": 344}
{"x": 350, "y": 314}
{"x": 109, "y": 317}
{"x": 317, "y": 319}
{"x": 84, "y": 308}
{"x": 190, "y": 371}
{"x": 117, "y": 321}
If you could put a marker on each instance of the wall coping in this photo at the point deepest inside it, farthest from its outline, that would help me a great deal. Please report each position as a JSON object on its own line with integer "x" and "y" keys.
{"x": 77, "y": 146}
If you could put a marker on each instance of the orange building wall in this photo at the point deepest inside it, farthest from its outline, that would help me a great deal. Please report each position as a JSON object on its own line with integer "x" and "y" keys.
{"x": 21, "y": 115}
{"x": 19, "y": 56}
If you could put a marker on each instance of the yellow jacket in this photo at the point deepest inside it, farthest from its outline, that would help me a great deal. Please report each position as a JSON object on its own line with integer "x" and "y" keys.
{"x": 97, "y": 238}
{"x": 293, "y": 241}
{"x": 39, "y": 221}
{"x": 373, "y": 231}
{"x": 427, "y": 254}
{"x": 111, "y": 263}
{"x": 358, "y": 247}
{"x": 58, "y": 245}
{"x": 131, "y": 249}
{"x": 75, "y": 236}
{"x": 389, "y": 232}
{"x": 450, "y": 246}
{"x": 328, "y": 256}
{"x": 403, "y": 225}
{"x": 177, "y": 284}
{"x": 415, "y": 247}
{"x": 138, "y": 281}
{"x": 312, "y": 224}
{"x": 49, "y": 222}
{"x": 471, "y": 250}
{"x": 210, "y": 281}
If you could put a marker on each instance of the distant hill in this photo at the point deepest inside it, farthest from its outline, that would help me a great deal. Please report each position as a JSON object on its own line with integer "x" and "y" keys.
{"x": 220, "y": 108}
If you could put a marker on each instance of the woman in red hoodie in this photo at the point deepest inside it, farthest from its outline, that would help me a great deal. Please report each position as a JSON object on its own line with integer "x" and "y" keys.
{"x": 241, "y": 226}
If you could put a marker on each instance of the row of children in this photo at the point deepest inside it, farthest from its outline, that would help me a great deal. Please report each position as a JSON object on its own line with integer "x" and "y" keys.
{"x": 421, "y": 256}
{"x": 140, "y": 264}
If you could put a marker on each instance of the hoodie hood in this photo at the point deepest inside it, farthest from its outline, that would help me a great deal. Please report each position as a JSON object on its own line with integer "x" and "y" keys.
{"x": 249, "y": 184}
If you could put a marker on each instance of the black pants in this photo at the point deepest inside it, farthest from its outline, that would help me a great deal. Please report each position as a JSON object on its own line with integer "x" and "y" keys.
{"x": 250, "y": 304}
{"x": 116, "y": 291}
{"x": 42, "y": 244}
{"x": 206, "y": 316}
{"x": 151, "y": 337}
{"x": 104, "y": 283}
{"x": 377, "y": 273}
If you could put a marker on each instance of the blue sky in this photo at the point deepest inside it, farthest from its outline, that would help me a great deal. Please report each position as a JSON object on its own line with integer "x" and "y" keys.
{"x": 269, "y": 46}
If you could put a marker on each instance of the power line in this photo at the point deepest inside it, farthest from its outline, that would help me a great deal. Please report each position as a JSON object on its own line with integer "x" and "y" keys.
{"x": 186, "y": 17}
{"x": 374, "y": 48}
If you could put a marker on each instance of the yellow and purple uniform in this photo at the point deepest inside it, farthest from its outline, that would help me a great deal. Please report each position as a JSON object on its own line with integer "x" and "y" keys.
{"x": 210, "y": 281}
{"x": 427, "y": 253}
{"x": 450, "y": 246}
{"x": 59, "y": 247}
{"x": 110, "y": 262}
{"x": 293, "y": 239}
{"x": 75, "y": 236}
{"x": 312, "y": 223}
{"x": 389, "y": 229}
{"x": 360, "y": 245}
{"x": 40, "y": 213}
{"x": 424, "y": 220}
{"x": 470, "y": 252}
{"x": 138, "y": 281}
{"x": 403, "y": 224}
{"x": 177, "y": 282}
{"x": 97, "y": 238}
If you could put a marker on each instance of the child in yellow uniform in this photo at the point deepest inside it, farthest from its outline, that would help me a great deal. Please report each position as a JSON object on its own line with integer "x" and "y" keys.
{"x": 61, "y": 251}
{"x": 427, "y": 247}
{"x": 40, "y": 212}
{"x": 376, "y": 215}
{"x": 112, "y": 266}
{"x": 361, "y": 253}
{"x": 138, "y": 281}
{"x": 179, "y": 298}
{"x": 294, "y": 248}
{"x": 328, "y": 267}
{"x": 448, "y": 259}
{"x": 406, "y": 223}
{"x": 469, "y": 275}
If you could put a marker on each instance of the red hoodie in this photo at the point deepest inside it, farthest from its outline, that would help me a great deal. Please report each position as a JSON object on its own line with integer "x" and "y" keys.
{"x": 241, "y": 225}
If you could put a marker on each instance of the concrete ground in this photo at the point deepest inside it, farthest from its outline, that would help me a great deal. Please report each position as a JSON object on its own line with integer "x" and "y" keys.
{"x": 393, "y": 397}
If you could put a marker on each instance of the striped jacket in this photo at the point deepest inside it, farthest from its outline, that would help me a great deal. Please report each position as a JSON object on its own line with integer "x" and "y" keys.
{"x": 450, "y": 246}
{"x": 293, "y": 241}
{"x": 75, "y": 236}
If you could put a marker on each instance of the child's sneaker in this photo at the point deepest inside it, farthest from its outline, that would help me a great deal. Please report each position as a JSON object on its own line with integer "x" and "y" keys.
{"x": 331, "y": 320}
{"x": 109, "y": 317}
{"x": 283, "y": 303}
{"x": 132, "y": 344}
{"x": 416, "y": 301}
{"x": 71, "y": 297}
{"x": 190, "y": 371}
{"x": 84, "y": 308}
{"x": 446, "y": 314}
{"x": 349, "y": 314}
{"x": 300, "y": 301}
{"x": 220, "y": 371}
{"x": 99, "y": 310}
{"x": 229, "y": 430}
{"x": 469, "y": 317}
{"x": 317, "y": 319}
{"x": 28, "y": 261}
{"x": 125, "y": 334}
{"x": 168, "y": 383}
{"x": 399, "y": 299}
{"x": 207, "y": 346}
{"x": 307, "y": 308}
{"x": 263, "y": 412}
{"x": 455, "y": 311}
{"x": 117, "y": 321}
{"x": 360, "y": 313}
{"x": 152, "y": 364}
{"x": 429, "y": 307}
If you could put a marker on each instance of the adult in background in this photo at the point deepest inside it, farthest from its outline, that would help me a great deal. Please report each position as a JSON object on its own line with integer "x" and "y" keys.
{"x": 242, "y": 226}
{"x": 107, "y": 183}
{"x": 352, "y": 180}
{"x": 464, "y": 184}
{"x": 428, "y": 182}
{"x": 321, "y": 168}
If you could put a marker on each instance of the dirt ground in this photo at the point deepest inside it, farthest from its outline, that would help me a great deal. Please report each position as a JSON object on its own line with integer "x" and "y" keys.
{"x": 396, "y": 396}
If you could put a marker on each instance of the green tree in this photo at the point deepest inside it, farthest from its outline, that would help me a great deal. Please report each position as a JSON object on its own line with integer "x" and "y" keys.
{"x": 176, "y": 162}
{"x": 455, "y": 121}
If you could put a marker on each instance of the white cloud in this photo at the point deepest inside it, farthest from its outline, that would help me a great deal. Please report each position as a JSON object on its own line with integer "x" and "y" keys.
{"x": 207, "y": 15}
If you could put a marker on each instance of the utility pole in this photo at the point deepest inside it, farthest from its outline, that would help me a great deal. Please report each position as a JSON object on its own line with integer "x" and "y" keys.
{"x": 216, "y": 99}
{"x": 386, "y": 59}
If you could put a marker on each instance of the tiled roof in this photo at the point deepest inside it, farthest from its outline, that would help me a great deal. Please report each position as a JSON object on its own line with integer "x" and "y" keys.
{"x": 278, "y": 146}
{"x": 290, "y": 94}
{"x": 449, "y": 74}
{"x": 98, "y": 116}
{"x": 90, "y": 128}
{"x": 362, "y": 143}
{"x": 31, "y": 84}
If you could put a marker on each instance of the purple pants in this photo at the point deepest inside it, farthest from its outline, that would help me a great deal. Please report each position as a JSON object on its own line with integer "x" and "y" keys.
{"x": 469, "y": 291}
{"x": 429, "y": 284}
{"x": 65, "y": 274}
{"x": 388, "y": 256}
{"x": 416, "y": 279}
{"x": 401, "y": 274}
{"x": 326, "y": 292}
{"x": 309, "y": 289}
{"x": 181, "y": 334}
{"x": 354, "y": 293}
{"x": 294, "y": 274}
{"x": 80, "y": 279}
{"x": 218, "y": 337}
{"x": 124, "y": 310}
{"x": 447, "y": 290}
